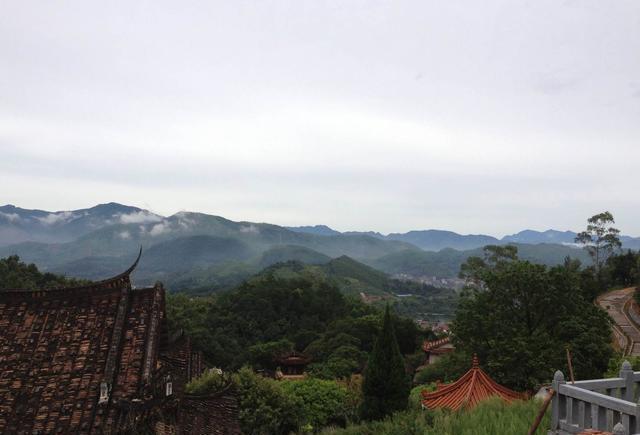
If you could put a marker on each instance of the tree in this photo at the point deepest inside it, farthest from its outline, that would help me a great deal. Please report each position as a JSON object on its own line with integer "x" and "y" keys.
{"x": 265, "y": 409}
{"x": 600, "y": 239}
{"x": 524, "y": 315}
{"x": 385, "y": 388}
{"x": 322, "y": 402}
{"x": 16, "y": 274}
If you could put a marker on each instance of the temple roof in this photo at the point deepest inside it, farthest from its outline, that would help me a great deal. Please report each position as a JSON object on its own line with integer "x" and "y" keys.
{"x": 293, "y": 359}
{"x": 57, "y": 346}
{"x": 473, "y": 387}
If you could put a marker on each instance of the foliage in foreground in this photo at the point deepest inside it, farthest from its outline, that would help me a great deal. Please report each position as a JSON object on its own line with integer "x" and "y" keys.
{"x": 447, "y": 368}
{"x": 489, "y": 418}
{"x": 519, "y": 317}
{"x": 273, "y": 407}
{"x": 322, "y": 402}
{"x": 209, "y": 382}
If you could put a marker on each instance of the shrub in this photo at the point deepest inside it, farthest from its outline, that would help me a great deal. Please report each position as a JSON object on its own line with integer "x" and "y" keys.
{"x": 209, "y": 382}
{"x": 265, "y": 409}
{"x": 415, "y": 396}
{"x": 615, "y": 364}
{"x": 322, "y": 402}
{"x": 446, "y": 369}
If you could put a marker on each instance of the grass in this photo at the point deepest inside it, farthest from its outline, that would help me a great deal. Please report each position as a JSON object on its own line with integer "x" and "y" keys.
{"x": 489, "y": 418}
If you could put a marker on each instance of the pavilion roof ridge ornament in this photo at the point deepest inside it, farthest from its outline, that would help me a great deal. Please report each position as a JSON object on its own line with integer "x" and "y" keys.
{"x": 475, "y": 362}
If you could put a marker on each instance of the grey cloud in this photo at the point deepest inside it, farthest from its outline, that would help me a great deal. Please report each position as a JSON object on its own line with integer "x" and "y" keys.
{"x": 368, "y": 115}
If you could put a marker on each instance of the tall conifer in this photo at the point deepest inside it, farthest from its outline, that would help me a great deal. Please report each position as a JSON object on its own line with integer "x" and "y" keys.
{"x": 385, "y": 388}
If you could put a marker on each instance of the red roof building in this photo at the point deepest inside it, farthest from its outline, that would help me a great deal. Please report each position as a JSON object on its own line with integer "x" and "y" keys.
{"x": 472, "y": 388}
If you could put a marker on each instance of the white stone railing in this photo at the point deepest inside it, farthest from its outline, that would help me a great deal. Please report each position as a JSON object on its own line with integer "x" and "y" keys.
{"x": 601, "y": 404}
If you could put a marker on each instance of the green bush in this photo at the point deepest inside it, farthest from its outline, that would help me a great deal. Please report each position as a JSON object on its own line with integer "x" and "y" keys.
{"x": 209, "y": 382}
{"x": 615, "y": 364}
{"x": 415, "y": 396}
{"x": 448, "y": 368}
{"x": 323, "y": 402}
{"x": 265, "y": 408}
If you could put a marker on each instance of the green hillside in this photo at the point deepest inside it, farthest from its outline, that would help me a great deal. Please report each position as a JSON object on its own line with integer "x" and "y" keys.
{"x": 280, "y": 254}
{"x": 446, "y": 263}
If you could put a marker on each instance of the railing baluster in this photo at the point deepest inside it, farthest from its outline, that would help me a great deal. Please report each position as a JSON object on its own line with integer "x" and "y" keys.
{"x": 585, "y": 414}
{"x": 625, "y": 420}
{"x": 595, "y": 416}
{"x": 602, "y": 418}
{"x": 609, "y": 419}
{"x": 569, "y": 414}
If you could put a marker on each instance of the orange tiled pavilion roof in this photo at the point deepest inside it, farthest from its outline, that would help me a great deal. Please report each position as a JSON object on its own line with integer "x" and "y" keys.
{"x": 473, "y": 387}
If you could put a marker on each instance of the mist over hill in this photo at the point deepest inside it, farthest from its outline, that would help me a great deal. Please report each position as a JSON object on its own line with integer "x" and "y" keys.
{"x": 191, "y": 250}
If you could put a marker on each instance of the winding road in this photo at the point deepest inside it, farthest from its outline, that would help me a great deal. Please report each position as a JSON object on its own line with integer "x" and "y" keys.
{"x": 626, "y": 321}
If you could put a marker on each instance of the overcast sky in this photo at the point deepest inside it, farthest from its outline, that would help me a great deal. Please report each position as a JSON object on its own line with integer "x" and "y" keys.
{"x": 471, "y": 116}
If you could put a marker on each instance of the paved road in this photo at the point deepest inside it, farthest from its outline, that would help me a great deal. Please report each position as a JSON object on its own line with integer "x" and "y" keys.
{"x": 627, "y": 334}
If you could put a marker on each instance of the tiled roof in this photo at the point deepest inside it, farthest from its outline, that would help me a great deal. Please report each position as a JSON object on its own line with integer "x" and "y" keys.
{"x": 95, "y": 359}
{"x": 473, "y": 387}
{"x": 58, "y": 346}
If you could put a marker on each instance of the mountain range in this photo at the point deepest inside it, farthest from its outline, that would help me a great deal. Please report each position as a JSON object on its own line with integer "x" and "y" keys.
{"x": 436, "y": 240}
{"x": 191, "y": 250}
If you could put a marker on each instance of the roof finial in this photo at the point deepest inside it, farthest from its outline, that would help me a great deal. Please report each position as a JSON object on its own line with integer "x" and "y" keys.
{"x": 475, "y": 361}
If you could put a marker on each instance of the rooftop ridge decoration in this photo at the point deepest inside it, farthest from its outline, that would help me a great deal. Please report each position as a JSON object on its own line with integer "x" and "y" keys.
{"x": 434, "y": 344}
{"x": 472, "y": 388}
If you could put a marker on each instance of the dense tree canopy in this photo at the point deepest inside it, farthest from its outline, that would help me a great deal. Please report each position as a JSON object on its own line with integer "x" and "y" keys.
{"x": 16, "y": 274}
{"x": 271, "y": 314}
{"x": 519, "y": 317}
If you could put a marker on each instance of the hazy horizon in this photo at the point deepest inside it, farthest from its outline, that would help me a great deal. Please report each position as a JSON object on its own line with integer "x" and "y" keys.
{"x": 303, "y": 224}
{"x": 369, "y": 115}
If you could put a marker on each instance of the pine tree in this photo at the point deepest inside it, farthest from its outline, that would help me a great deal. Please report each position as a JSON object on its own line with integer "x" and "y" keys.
{"x": 385, "y": 388}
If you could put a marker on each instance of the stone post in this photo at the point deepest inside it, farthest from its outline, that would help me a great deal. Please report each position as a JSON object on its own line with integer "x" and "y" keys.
{"x": 558, "y": 379}
{"x": 626, "y": 373}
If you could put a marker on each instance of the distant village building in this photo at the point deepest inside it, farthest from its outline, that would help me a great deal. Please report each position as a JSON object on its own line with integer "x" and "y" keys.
{"x": 292, "y": 366}
{"x": 472, "y": 388}
{"x": 436, "y": 348}
{"x": 97, "y": 359}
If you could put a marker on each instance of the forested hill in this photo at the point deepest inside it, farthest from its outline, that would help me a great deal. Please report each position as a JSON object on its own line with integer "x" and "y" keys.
{"x": 285, "y": 307}
{"x": 204, "y": 253}
{"x": 15, "y": 274}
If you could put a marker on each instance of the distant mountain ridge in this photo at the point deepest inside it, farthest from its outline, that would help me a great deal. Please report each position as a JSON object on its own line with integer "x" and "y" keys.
{"x": 195, "y": 250}
{"x": 436, "y": 240}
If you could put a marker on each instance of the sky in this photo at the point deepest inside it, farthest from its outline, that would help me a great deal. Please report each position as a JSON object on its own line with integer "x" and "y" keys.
{"x": 476, "y": 117}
